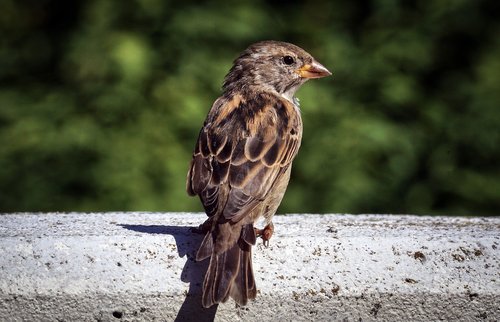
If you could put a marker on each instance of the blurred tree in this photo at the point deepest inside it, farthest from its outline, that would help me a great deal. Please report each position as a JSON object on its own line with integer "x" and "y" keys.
{"x": 101, "y": 102}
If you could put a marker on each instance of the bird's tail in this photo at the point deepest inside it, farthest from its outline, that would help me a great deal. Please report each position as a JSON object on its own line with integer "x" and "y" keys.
{"x": 230, "y": 273}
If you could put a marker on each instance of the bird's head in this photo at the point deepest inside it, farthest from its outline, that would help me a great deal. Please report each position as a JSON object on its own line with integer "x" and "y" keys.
{"x": 273, "y": 66}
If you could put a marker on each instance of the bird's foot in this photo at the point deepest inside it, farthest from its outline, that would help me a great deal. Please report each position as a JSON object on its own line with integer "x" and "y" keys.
{"x": 265, "y": 233}
{"x": 203, "y": 228}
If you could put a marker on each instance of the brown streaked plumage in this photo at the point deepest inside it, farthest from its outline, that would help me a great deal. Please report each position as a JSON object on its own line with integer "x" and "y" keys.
{"x": 242, "y": 161}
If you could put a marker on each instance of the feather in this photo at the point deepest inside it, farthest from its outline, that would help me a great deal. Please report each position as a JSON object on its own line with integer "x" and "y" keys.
{"x": 235, "y": 165}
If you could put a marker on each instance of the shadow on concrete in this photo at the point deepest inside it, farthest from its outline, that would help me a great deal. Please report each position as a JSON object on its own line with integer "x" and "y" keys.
{"x": 193, "y": 272}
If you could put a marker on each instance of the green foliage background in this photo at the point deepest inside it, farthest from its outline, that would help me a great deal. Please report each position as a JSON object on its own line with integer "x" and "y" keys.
{"x": 101, "y": 102}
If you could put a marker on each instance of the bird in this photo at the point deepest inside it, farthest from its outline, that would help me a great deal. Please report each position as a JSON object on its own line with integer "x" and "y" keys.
{"x": 242, "y": 161}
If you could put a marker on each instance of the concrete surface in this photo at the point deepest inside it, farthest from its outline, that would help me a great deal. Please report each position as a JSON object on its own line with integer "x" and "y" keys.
{"x": 139, "y": 266}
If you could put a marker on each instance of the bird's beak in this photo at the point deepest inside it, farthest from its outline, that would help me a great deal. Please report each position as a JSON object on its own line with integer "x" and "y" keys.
{"x": 313, "y": 70}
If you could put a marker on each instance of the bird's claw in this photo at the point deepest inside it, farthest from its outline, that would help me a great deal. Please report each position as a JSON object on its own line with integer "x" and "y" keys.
{"x": 203, "y": 228}
{"x": 265, "y": 234}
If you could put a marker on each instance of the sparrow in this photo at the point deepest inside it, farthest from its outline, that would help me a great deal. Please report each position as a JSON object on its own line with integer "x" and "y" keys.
{"x": 242, "y": 161}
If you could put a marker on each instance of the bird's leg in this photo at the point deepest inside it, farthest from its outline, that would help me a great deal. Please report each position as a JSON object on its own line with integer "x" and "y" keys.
{"x": 265, "y": 233}
{"x": 203, "y": 228}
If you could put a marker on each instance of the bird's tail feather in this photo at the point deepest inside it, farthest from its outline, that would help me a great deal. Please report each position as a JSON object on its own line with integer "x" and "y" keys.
{"x": 243, "y": 287}
{"x": 230, "y": 273}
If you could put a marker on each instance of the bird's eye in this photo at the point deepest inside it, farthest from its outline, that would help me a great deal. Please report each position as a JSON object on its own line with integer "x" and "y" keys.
{"x": 288, "y": 60}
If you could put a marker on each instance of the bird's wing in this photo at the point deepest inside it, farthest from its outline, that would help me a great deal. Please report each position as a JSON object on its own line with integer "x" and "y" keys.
{"x": 242, "y": 150}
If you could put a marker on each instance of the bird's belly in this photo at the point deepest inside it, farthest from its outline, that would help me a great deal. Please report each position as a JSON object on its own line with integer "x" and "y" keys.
{"x": 270, "y": 205}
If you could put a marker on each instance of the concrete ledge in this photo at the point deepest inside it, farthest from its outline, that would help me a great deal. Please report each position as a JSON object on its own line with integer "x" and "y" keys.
{"x": 139, "y": 266}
